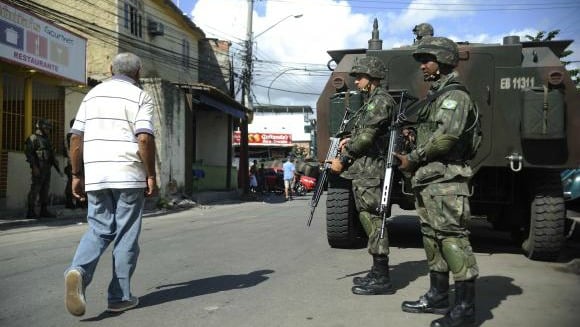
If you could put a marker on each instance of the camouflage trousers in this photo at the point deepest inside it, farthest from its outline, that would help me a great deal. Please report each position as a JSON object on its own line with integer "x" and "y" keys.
{"x": 444, "y": 214}
{"x": 39, "y": 187}
{"x": 367, "y": 197}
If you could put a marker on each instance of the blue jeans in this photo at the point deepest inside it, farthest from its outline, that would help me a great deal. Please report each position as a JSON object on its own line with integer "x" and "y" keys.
{"x": 114, "y": 215}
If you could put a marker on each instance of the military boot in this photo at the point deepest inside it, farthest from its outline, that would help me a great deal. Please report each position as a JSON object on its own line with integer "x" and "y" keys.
{"x": 44, "y": 213}
{"x": 436, "y": 300}
{"x": 380, "y": 283}
{"x": 463, "y": 313}
{"x": 368, "y": 277}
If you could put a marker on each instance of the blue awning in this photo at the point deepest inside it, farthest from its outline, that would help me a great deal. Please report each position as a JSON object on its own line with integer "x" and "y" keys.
{"x": 228, "y": 109}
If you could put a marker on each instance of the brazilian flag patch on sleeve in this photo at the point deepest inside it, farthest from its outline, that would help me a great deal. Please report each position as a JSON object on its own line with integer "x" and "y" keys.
{"x": 449, "y": 104}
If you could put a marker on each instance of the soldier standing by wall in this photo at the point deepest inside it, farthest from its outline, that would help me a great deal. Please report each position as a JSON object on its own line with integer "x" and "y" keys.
{"x": 440, "y": 176}
{"x": 40, "y": 155}
{"x": 362, "y": 160}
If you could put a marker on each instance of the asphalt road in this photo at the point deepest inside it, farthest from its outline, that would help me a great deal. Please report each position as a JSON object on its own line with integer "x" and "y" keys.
{"x": 256, "y": 264}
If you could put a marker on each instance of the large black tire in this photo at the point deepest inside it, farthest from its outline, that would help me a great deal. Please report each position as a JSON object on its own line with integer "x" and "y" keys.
{"x": 547, "y": 221}
{"x": 343, "y": 229}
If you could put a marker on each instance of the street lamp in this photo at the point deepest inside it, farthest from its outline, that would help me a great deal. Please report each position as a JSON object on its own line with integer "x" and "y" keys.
{"x": 277, "y": 76}
{"x": 278, "y": 22}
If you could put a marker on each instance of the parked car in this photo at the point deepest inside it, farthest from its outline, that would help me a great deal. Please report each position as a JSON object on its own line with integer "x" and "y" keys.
{"x": 571, "y": 184}
{"x": 273, "y": 180}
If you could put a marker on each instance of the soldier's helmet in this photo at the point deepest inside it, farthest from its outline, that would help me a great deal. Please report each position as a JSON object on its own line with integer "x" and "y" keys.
{"x": 445, "y": 51}
{"x": 44, "y": 124}
{"x": 423, "y": 30}
{"x": 372, "y": 66}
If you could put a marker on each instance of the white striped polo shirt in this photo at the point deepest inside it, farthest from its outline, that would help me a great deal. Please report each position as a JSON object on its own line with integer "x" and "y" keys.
{"x": 109, "y": 119}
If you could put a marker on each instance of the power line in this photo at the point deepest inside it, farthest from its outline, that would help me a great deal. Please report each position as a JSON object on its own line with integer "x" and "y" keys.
{"x": 160, "y": 55}
{"x": 437, "y": 6}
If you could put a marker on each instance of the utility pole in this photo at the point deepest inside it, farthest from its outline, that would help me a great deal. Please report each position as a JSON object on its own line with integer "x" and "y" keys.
{"x": 247, "y": 102}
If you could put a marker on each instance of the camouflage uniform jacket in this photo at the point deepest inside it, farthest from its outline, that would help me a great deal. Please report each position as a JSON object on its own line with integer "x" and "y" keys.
{"x": 39, "y": 152}
{"x": 441, "y": 141}
{"x": 369, "y": 138}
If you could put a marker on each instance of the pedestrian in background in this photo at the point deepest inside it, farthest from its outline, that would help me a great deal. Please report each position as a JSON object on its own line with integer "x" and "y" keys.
{"x": 440, "y": 179}
{"x": 113, "y": 135}
{"x": 40, "y": 156}
{"x": 254, "y": 177}
{"x": 261, "y": 178}
{"x": 362, "y": 160}
{"x": 289, "y": 170}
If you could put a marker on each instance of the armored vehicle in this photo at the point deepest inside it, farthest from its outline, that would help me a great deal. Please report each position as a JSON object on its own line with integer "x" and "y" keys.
{"x": 530, "y": 113}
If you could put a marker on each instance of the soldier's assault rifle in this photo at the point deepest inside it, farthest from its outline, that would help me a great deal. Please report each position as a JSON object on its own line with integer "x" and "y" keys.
{"x": 331, "y": 154}
{"x": 396, "y": 143}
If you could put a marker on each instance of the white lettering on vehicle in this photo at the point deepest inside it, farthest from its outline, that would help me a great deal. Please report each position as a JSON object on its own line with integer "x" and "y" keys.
{"x": 516, "y": 83}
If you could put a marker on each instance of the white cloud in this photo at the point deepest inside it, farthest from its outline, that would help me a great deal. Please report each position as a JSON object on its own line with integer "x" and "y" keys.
{"x": 294, "y": 41}
{"x": 301, "y": 43}
{"x": 417, "y": 12}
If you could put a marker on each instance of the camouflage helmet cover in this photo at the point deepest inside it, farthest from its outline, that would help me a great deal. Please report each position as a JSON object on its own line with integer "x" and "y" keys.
{"x": 43, "y": 124}
{"x": 423, "y": 30}
{"x": 372, "y": 66}
{"x": 444, "y": 50}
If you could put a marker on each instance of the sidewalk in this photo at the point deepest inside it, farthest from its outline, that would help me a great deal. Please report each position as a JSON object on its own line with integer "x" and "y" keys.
{"x": 17, "y": 218}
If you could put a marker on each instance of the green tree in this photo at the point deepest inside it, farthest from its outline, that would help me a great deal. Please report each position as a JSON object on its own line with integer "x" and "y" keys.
{"x": 542, "y": 36}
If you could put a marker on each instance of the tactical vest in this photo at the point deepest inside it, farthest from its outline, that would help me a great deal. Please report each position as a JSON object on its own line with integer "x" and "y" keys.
{"x": 379, "y": 146}
{"x": 469, "y": 140}
{"x": 42, "y": 148}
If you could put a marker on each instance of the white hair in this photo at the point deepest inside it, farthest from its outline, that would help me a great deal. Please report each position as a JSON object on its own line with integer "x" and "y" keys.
{"x": 126, "y": 63}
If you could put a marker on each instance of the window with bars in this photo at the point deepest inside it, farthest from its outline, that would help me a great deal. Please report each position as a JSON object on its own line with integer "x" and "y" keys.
{"x": 47, "y": 103}
{"x": 133, "y": 17}
{"x": 185, "y": 53}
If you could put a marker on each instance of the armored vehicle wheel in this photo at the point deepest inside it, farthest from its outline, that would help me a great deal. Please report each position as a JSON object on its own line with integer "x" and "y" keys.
{"x": 547, "y": 222}
{"x": 343, "y": 229}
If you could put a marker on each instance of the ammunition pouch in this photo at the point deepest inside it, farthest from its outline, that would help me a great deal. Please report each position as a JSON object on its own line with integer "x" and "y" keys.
{"x": 429, "y": 173}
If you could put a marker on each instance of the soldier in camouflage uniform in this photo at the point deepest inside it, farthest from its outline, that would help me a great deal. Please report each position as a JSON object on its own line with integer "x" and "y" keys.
{"x": 362, "y": 160}
{"x": 440, "y": 175}
{"x": 422, "y": 30}
{"x": 40, "y": 155}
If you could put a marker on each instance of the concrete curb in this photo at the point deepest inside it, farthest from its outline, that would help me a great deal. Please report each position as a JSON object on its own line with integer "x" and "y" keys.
{"x": 14, "y": 218}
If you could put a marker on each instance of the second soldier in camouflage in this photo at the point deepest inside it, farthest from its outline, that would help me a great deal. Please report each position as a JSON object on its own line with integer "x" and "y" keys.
{"x": 362, "y": 160}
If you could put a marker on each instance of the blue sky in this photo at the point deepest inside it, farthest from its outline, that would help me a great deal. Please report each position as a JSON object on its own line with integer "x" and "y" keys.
{"x": 290, "y": 58}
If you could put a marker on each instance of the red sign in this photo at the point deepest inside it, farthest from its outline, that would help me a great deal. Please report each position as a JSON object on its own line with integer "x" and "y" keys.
{"x": 265, "y": 138}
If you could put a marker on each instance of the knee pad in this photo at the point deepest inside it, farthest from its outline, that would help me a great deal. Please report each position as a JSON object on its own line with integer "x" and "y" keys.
{"x": 366, "y": 220}
{"x": 433, "y": 252}
{"x": 459, "y": 256}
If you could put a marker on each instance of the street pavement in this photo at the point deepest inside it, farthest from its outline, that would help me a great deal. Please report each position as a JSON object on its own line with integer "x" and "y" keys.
{"x": 254, "y": 264}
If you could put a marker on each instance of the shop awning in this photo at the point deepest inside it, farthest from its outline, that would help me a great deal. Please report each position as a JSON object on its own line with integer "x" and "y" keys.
{"x": 215, "y": 98}
{"x": 228, "y": 109}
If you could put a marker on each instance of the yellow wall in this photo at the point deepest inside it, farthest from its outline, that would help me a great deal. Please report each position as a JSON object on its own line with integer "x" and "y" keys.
{"x": 102, "y": 23}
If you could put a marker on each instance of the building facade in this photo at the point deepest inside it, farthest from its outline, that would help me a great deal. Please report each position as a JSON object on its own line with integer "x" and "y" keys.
{"x": 65, "y": 47}
{"x": 290, "y": 128}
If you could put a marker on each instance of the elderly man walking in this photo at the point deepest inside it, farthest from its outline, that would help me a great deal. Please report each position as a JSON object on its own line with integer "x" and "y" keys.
{"x": 113, "y": 137}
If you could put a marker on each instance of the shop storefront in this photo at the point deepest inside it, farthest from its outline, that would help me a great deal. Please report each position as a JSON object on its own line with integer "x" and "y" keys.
{"x": 42, "y": 74}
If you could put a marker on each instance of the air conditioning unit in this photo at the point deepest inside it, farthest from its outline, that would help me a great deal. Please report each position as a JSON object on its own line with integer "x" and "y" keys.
{"x": 155, "y": 28}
